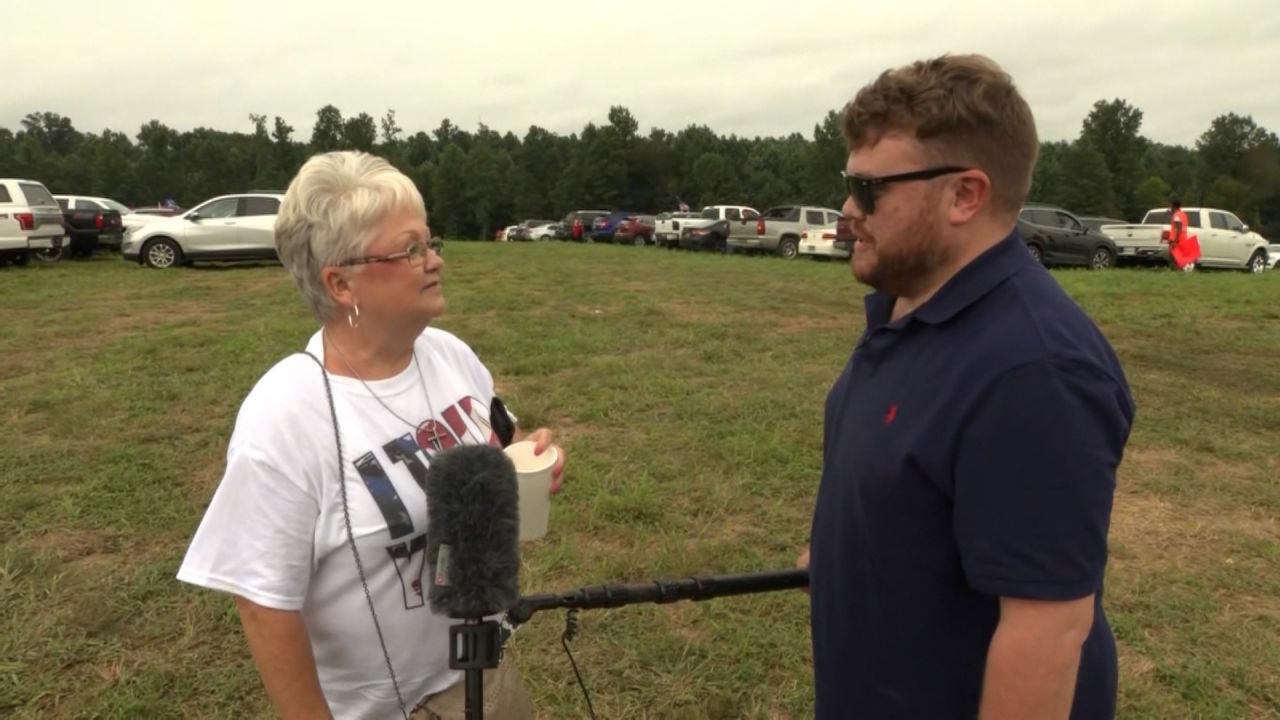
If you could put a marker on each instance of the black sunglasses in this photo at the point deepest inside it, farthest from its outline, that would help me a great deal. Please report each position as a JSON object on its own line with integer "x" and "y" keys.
{"x": 862, "y": 189}
{"x": 416, "y": 253}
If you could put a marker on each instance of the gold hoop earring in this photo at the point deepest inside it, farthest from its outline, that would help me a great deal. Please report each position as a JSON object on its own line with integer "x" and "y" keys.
{"x": 353, "y": 316}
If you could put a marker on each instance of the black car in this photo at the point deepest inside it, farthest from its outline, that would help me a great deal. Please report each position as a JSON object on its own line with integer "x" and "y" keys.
{"x": 1056, "y": 237}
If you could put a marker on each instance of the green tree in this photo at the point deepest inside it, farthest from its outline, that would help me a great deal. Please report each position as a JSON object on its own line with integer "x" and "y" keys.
{"x": 716, "y": 180}
{"x": 1176, "y": 165}
{"x": 1047, "y": 179}
{"x": 1114, "y": 129}
{"x": 1086, "y": 184}
{"x": 487, "y": 168}
{"x": 326, "y": 134}
{"x": 1223, "y": 146}
{"x": 360, "y": 133}
{"x": 1151, "y": 193}
{"x": 828, "y": 158}
{"x": 449, "y": 193}
{"x": 1228, "y": 193}
{"x": 160, "y": 174}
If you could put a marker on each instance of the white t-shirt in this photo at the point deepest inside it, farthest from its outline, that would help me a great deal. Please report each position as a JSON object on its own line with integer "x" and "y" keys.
{"x": 274, "y": 532}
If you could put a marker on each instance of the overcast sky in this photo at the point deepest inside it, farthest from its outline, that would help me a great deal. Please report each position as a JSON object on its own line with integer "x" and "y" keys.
{"x": 749, "y": 67}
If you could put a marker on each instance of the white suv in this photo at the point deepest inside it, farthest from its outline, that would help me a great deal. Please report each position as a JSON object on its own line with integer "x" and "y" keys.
{"x": 230, "y": 227}
{"x": 30, "y": 222}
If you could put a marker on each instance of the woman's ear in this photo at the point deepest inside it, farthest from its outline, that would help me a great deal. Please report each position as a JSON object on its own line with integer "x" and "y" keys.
{"x": 338, "y": 285}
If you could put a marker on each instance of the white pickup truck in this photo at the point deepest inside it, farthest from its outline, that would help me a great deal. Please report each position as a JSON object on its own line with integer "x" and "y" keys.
{"x": 706, "y": 230}
{"x": 778, "y": 230}
{"x": 1225, "y": 242}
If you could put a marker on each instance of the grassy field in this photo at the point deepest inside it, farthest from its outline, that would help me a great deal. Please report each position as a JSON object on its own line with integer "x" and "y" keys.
{"x": 688, "y": 390}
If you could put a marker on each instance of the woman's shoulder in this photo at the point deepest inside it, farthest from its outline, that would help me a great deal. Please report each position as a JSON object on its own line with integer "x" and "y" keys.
{"x": 446, "y": 343}
{"x": 291, "y": 390}
{"x": 455, "y": 353}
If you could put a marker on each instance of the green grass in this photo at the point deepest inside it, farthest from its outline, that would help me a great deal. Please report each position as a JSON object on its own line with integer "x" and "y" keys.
{"x": 688, "y": 391}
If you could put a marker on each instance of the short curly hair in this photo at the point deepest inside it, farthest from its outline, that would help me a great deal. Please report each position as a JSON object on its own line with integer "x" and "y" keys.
{"x": 964, "y": 109}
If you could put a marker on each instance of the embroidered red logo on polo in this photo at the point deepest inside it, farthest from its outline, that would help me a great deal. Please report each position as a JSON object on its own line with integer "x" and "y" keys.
{"x": 891, "y": 415}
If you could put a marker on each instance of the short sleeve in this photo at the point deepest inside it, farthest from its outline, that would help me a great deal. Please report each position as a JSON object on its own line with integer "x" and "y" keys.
{"x": 257, "y": 537}
{"x": 1034, "y": 479}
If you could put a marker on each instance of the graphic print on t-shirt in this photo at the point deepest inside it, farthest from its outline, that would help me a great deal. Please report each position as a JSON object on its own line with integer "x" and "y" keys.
{"x": 412, "y": 452}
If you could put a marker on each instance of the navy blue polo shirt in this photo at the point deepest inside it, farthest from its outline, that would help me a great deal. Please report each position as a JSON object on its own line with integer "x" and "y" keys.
{"x": 969, "y": 453}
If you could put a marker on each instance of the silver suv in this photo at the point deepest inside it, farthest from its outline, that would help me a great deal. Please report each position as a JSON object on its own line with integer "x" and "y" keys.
{"x": 230, "y": 227}
{"x": 30, "y": 222}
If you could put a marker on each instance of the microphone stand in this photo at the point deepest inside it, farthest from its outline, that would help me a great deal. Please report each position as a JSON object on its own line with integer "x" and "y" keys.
{"x": 475, "y": 645}
{"x": 659, "y": 591}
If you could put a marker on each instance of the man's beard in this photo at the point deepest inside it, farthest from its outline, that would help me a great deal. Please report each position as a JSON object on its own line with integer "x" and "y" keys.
{"x": 907, "y": 263}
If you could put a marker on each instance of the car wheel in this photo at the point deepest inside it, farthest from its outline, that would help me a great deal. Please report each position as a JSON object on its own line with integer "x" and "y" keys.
{"x": 1258, "y": 262}
{"x": 1036, "y": 253}
{"x": 49, "y": 254}
{"x": 638, "y": 241}
{"x": 788, "y": 248}
{"x": 1102, "y": 258}
{"x": 162, "y": 253}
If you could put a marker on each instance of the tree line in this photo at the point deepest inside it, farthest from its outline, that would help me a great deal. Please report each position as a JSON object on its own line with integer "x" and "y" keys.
{"x": 477, "y": 181}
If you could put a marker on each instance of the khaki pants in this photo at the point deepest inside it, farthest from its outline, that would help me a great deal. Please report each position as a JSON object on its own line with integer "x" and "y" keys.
{"x": 505, "y": 698}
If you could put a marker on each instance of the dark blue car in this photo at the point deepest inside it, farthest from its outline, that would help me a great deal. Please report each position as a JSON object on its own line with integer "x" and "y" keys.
{"x": 603, "y": 228}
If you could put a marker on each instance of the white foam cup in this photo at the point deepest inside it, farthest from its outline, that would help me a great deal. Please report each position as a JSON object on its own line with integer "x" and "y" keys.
{"x": 533, "y": 476}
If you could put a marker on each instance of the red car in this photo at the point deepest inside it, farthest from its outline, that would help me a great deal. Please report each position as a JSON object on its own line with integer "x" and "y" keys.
{"x": 635, "y": 230}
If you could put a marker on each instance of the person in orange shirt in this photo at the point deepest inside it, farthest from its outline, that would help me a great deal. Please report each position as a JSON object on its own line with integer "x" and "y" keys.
{"x": 1183, "y": 258}
{"x": 1177, "y": 222}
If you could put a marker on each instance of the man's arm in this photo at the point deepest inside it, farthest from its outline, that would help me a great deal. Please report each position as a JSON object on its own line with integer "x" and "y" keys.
{"x": 280, "y": 647}
{"x": 1034, "y": 658}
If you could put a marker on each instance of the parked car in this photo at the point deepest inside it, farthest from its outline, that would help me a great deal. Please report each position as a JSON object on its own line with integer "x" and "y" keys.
{"x": 92, "y": 221}
{"x": 524, "y": 229}
{"x": 824, "y": 242}
{"x": 711, "y": 230}
{"x": 1056, "y": 237}
{"x": 778, "y": 229}
{"x": 1095, "y": 223}
{"x": 667, "y": 227}
{"x": 158, "y": 211}
{"x": 1225, "y": 242}
{"x": 230, "y": 227}
{"x": 31, "y": 222}
{"x": 588, "y": 217}
{"x": 635, "y": 230}
{"x": 546, "y": 231}
{"x": 603, "y": 227}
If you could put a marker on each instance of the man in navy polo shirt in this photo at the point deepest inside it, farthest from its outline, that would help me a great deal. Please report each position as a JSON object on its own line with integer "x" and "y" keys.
{"x": 959, "y": 538}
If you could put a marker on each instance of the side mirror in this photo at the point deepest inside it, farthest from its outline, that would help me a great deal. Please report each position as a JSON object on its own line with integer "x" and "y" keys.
{"x": 1244, "y": 228}
{"x": 194, "y": 217}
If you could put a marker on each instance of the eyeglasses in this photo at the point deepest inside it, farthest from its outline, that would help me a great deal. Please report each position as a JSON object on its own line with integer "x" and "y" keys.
{"x": 416, "y": 254}
{"x": 863, "y": 189}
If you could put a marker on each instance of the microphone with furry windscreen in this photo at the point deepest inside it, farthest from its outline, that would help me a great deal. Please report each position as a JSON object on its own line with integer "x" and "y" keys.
{"x": 473, "y": 531}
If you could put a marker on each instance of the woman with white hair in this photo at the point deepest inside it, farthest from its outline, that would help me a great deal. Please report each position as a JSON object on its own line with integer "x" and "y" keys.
{"x": 322, "y": 542}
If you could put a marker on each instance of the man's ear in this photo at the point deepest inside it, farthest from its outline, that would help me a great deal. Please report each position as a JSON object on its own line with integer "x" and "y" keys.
{"x": 971, "y": 193}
